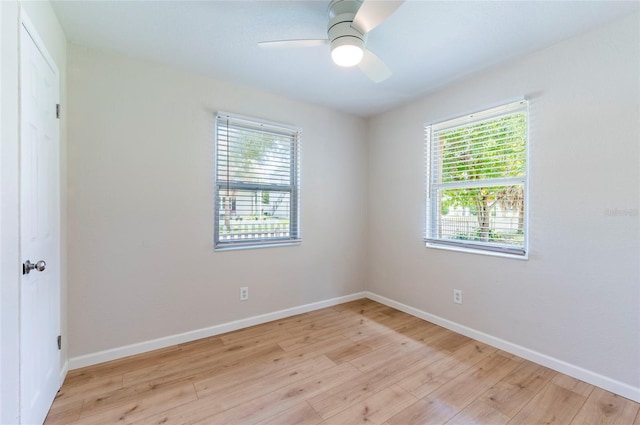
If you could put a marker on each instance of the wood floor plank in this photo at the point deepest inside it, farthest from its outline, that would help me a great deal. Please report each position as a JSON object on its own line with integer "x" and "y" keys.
{"x": 573, "y": 384}
{"x": 301, "y": 341}
{"x": 64, "y": 413}
{"x": 330, "y": 403}
{"x": 375, "y": 323}
{"x": 603, "y": 407}
{"x": 424, "y": 412}
{"x": 464, "y": 388}
{"x": 388, "y": 353}
{"x": 132, "y": 363}
{"x": 366, "y": 330}
{"x": 333, "y": 324}
{"x": 395, "y": 319}
{"x": 131, "y": 409}
{"x": 348, "y": 352}
{"x": 92, "y": 388}
{"x": 381, "y": 339}
{"x": 511, "y": 356}
{"x": 359, "y": 362}
{"x": 361, "y": 306}
{"x": 255, "y": 337}
{"x": 452, "y": 397}
{"x": 261, "y": 365}
{"x": 260, "y": 408}
{"x": 412, "y": 326}
{"x": 553, "y": 405}
{"x": 246, "y": 391}
{"x": 323, "y": 346}
{"x": 437, "y": 374}
{"x": 310, "y": 317}
{"x": 209, "y": 363}
{"x": 300, "y": 414}
{"x": 257, "y": 369}
{"x": 202, "y": 344}
{"x": 478, "y": 413}
{"x": 118, "y": 367}
{"x": 249, "y": 332}
{"x": 451, "y": 342}
{"x": 375, "y": 409}
{"x": 127, "y": 395}
{"x": 424, "y": 332}
{"x": 511, "y": 394}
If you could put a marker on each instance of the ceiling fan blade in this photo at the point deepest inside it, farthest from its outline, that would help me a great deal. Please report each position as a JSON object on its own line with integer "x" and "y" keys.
{"x": 280, "y": 44}
{"x": 373, "y": 12}
{"x": 373, "y": 67}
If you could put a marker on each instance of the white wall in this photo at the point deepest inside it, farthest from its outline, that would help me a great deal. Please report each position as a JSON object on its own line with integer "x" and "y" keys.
{"x": 46, "y": 23}
{"x": 140, "y": 211}
{"x": 576, "y": 299}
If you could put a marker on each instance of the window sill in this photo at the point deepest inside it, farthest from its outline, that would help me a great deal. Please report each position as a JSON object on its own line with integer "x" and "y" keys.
{"x": 256, "y": 246}
{"x": 477, "y": 251}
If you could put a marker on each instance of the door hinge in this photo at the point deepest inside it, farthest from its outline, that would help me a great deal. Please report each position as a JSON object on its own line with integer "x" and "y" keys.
{"x": 59, "y": 342}
{"x": 57, "y": 110}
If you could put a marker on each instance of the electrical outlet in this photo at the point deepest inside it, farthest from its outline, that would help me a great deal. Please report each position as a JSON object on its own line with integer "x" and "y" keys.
{"x": 244, "y": 293}
{"x": 457, "y": 296}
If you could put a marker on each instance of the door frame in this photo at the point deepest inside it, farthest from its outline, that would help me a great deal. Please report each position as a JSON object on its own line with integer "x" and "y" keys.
{"x": 9, "y": 214}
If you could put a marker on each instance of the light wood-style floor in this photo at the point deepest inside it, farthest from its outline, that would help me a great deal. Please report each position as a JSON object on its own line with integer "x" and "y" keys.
{"x": 359, "y": 362}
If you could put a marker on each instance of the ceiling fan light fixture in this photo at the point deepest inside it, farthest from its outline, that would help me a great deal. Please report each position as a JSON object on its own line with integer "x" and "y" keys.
{"x": 347, "y": 51}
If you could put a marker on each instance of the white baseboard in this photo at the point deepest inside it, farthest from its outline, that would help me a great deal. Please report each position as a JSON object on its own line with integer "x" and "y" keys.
{"x": 577, "y": 372}
{"x": 143, "y": 347}
{"x": 63, "y": 372}
{"x": 612, "y": 385}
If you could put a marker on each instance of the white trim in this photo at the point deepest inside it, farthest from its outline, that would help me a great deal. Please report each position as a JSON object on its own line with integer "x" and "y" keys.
{"x": 433, "y": 176}
{"x": 254, "y": 246}
{"x": 40, "y": 44}
{"x": 609, "y": 384}
{"x": 464, "y": 184}
{"x": 9, "y": 214}
{"x": 488, "y": 106}
{"x": 261, "y": 121}
{"x": 470, "y": 250}
{"x": 63, "y": 372}
{"x": 142, "y": 347}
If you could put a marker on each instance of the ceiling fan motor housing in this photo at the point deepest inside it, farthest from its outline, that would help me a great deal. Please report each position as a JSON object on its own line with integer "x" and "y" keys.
{"x": 340, "y": 30}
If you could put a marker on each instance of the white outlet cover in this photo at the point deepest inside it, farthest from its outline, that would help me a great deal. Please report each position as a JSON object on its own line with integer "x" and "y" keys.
{"x": 244, "y": 293}
{"x": 457, "y": 296}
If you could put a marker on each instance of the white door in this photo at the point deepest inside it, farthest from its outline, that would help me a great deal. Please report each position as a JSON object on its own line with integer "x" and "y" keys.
{"x": 39, "y": 230}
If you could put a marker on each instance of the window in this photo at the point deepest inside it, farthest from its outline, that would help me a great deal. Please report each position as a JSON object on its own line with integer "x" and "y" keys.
{"x": 256, "y": 183}
{"x": 477, "y": 181}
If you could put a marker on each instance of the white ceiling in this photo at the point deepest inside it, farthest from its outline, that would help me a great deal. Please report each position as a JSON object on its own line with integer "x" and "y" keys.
{"x": 427, "y": 44}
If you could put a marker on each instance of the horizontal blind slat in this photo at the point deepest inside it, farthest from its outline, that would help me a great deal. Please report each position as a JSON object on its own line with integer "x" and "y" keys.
{"x": 504, "y": 110}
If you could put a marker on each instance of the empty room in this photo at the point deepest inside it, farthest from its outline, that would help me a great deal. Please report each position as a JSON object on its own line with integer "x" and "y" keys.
{"x": 320, "y": 212}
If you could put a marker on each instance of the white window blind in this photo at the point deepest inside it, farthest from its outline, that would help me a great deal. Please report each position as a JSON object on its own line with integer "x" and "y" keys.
{"x": 256, "y": 182}
{"x": 477, "y": 181}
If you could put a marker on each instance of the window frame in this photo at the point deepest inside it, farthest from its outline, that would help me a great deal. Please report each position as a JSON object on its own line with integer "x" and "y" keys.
{"x": 432, "y": 215}
{"x": 293, "y": 188}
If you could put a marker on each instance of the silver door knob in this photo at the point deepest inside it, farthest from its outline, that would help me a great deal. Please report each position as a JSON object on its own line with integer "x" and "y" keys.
{"x": 28, "y": 266}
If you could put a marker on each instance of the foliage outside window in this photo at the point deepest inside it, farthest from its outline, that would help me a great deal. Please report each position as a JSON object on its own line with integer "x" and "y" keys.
{"x": 477, "y": 181}
{"x": 256, "y": 183}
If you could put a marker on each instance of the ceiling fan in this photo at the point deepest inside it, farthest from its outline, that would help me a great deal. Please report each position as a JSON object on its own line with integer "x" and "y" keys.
{"x": 349, "y": 23}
